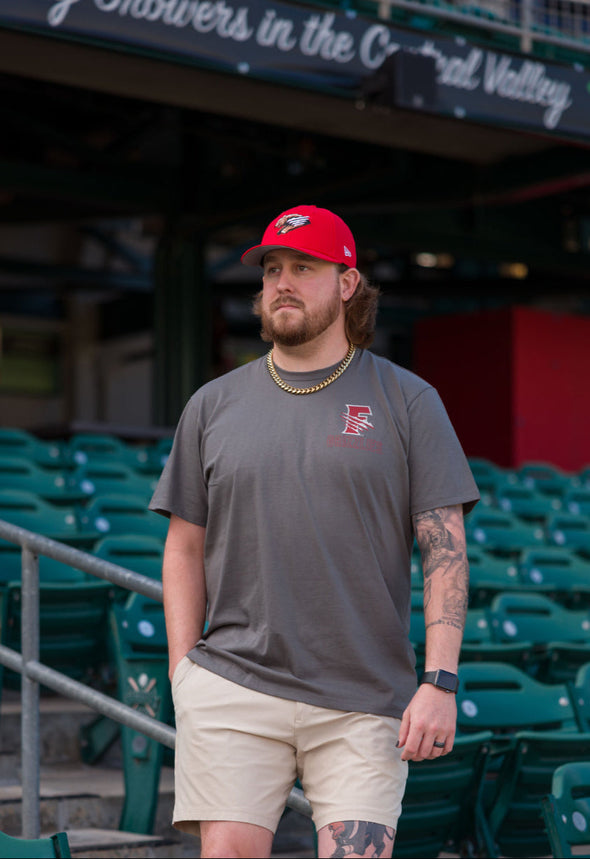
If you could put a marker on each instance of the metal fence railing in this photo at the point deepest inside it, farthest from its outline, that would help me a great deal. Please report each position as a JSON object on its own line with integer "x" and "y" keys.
{"x": 564, "y": 23}
{"x": 35, "y": 673}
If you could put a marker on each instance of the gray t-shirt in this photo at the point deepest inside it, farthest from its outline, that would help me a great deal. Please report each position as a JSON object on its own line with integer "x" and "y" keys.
{"x": 307, "y": 501}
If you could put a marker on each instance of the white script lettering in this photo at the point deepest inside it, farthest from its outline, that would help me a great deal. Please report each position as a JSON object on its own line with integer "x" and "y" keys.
{"x": 58, "y": 12}
{"x": 458, "y": 72}
{"x": 276, "y": 31}
{"x": 528, "y": 84}
{"x": 376, "y": 46}
{"x": 205, "y": 16}
{"x": 320, "y": 39}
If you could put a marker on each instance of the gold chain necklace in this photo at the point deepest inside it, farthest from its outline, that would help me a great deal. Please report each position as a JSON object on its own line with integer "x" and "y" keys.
{"x": 320, "y": 385}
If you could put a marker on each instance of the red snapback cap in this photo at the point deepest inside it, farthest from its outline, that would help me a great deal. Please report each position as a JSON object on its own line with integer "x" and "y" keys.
{"x": 310, "y": 230}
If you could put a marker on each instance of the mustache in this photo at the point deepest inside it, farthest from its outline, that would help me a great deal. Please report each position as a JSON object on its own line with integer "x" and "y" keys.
{"x": 283, "y": 301}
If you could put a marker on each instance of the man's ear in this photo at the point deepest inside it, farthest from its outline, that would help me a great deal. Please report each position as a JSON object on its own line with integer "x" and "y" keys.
{"x": 349, "y": 280}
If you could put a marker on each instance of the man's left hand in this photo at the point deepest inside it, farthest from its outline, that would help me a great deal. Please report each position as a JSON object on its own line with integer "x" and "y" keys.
{"x": 430, "y": 718}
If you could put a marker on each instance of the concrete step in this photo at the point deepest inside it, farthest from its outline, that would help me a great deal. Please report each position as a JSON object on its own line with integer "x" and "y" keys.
{"x": 60, "y": 723}
{"x": 86, "y": 801}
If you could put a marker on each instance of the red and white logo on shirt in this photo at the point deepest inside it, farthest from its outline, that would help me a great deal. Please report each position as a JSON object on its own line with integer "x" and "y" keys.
{"x": 356, "y": 420}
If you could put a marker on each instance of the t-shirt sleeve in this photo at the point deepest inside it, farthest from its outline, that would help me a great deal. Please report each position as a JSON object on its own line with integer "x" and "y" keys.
{"x": 181, "y": 489}
{"x": 439, "y": 472}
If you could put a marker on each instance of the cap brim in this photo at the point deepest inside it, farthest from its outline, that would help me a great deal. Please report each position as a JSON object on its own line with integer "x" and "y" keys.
{"x": 255, "y": 255}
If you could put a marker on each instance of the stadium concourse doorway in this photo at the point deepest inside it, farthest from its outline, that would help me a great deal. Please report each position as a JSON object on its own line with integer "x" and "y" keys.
{"x": 130, "y": 185}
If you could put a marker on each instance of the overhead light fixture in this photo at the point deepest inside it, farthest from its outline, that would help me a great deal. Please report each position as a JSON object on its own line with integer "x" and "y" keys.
{"x": 426, "y": 259}
{"x": 515, "y": 270}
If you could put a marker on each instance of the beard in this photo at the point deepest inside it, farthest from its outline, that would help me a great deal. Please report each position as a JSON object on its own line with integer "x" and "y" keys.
{"x": 285, "y": 330}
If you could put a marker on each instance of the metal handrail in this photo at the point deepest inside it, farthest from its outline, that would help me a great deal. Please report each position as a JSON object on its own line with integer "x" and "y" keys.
{"x": 35, "y": 672}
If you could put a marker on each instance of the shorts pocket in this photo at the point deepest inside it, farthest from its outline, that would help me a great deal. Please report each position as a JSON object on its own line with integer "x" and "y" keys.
{"x": 180, "y": 672}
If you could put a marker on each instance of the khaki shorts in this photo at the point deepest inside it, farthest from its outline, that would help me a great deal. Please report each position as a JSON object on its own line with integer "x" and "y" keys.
{"x": 238, "y": 753}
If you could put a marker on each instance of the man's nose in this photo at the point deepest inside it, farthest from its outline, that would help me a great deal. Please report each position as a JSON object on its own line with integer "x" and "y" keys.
{"x": 284, "y": 282}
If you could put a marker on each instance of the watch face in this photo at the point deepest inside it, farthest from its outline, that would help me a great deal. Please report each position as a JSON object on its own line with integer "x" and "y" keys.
{"x": 447, "y": 681}
{"x": 442, "y": 679}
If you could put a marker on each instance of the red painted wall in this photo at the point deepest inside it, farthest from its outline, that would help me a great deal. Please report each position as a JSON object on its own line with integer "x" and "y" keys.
{"x": 551, "y": 388}
{"x": 516, "y": 382}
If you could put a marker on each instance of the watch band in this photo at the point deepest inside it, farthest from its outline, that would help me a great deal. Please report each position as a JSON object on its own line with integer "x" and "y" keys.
{"x": 441, "y": 679}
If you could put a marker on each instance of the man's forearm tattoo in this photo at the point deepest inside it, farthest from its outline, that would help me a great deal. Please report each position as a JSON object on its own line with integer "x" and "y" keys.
{"x": 442, "y": 553}
{"x": 361, "y": 837}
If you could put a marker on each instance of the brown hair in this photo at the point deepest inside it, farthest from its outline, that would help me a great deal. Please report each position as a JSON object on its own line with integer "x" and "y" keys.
{"x": 361, "y": 312}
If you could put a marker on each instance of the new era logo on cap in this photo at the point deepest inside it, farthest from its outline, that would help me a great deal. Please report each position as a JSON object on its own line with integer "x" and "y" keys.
{"x": 310, "y": 230}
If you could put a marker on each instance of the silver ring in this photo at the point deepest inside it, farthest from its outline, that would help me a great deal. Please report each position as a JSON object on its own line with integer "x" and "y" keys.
{"x": 438, "y": 745}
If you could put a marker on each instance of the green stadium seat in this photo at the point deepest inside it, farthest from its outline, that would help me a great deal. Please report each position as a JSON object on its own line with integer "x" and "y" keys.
{"x": 73, "y": 626}
{"x": 580, "y": 694}
{"x": 536, "y": 618}
{"x": 10, "y": 561}
{"x": 141, "y": 553}
{"x": 27, "y": 510}
{"x": 102, "y": 447}
{"x": 501, "y": 533}
{"x": 51, "y": 847}
{"x": 559, "y": 573}
{"x": 571, "y": 530}
{"x": 23, "y": 444}
{"x": 477, "y": 627}
{"x": 84, "y": 447}
{"x": 534, "y": 731}
{"x": 511, "y": 821}
{"x": 558, "y": 637}
{"x": 477, "y": 645}
{"x": 566, "y": 810}
{"x": 577, "y": 500}
{"x": 57, "y": 572}
{"x": 101, "y": 478}
{"x": 527, "y": 502}
{"x": 16, "y": 472}
{"x": 489, "y": 477}
{"x": 112, "y": 514}
{"x": 489, "y": 575}
{"x": 498, "y": 697}
{"x": 545, "y": 478}
{"x": 50, "y": 570}
{"x": 141, "y": 651}
{"x": 158, "y": 454}
{"x": 440, "y": 800}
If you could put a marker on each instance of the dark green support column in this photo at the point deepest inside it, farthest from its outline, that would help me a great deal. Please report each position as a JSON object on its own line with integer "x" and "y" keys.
{"x": 182, "y": 324}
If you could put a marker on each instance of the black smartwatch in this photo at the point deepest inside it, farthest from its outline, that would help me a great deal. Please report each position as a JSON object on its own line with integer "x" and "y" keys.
{"x": 441, "y": 679}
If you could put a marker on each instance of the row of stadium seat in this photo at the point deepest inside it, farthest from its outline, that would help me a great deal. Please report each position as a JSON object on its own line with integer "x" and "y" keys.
{"x": 82, "y": 448}
{"x": 507, "y": 533}
{"x": 81, "y": 526}
{"x": 77, "y": 485}
{"x": 542, "y": 477}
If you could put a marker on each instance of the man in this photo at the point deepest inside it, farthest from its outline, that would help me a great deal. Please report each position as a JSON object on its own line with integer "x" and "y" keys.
{"x": 294, "y": 488}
